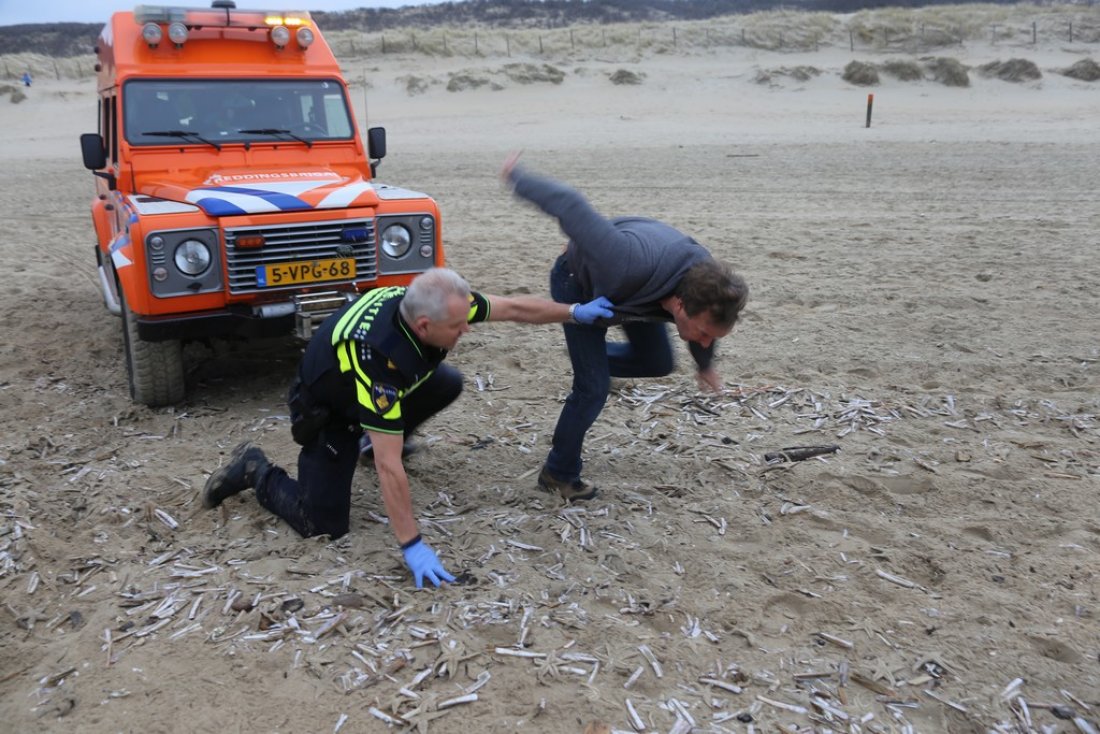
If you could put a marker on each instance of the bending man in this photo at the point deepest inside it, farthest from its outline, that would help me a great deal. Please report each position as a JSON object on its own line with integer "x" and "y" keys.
{"x": 654, "y": 274}
{"x": 376, "y": 365}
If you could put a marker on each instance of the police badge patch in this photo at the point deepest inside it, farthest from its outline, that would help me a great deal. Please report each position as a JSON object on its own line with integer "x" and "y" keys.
{"x": 384, "y": 396}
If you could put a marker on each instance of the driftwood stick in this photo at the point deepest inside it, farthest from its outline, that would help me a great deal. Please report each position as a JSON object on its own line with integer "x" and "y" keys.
{"x": 800, "y": 453}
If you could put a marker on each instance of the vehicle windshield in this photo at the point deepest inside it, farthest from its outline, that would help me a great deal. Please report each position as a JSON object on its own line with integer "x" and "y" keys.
{"x": 209, "y": 111}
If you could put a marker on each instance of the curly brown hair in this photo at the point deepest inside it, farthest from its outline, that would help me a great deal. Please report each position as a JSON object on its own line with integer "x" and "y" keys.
{"x": 712, "y": 287}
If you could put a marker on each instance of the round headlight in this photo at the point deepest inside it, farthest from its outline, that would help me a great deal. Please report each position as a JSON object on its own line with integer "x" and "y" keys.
{"x": 152, "y": 33}
{"x": 305, "y": 37}
{"x": 280, "y": 35}
{"x": 396, "y": 240}
{"x": 192, "y": 257}
{"x": 177, "y": 33}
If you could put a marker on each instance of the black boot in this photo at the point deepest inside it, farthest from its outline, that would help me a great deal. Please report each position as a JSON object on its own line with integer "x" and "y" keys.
{"x": 246, "y": 467}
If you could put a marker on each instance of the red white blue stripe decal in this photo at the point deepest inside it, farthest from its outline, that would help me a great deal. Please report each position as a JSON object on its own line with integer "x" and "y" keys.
{"x": 281, "y": 196}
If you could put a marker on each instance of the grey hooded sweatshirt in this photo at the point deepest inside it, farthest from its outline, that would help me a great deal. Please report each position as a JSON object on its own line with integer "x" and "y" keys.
{"x": 633, "y": 261}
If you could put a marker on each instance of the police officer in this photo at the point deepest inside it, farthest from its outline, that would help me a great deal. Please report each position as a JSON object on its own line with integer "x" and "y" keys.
{"x": 376, "y": 365}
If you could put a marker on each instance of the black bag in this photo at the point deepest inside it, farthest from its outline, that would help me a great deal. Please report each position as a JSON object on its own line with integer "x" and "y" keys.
{"x": 307, "y": 418}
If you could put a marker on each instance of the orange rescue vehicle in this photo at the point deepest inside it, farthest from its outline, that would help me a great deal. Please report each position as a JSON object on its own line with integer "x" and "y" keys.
{"x": 234, "y": 194}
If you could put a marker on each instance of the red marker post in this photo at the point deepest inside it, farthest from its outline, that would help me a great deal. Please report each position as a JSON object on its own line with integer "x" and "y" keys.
{"x": 870, "y": 102}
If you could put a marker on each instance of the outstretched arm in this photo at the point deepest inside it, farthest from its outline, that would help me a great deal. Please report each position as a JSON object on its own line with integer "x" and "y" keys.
{"x": 585, "y": 226}
{"x": 535, "y": 310}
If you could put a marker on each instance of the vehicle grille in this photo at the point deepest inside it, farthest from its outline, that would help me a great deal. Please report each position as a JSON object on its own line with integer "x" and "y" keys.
{"x": 301, "y": 241}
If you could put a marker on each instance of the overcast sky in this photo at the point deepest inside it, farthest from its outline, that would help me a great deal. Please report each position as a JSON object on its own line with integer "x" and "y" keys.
{"x": 13, "y": 12}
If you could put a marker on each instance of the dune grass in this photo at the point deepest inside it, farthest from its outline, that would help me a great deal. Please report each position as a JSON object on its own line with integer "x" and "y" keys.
{"x": 929, "y": 30}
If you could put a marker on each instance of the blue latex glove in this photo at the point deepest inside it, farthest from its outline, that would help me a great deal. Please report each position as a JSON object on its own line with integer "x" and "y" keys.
{"x": 423, "y": 562}
{"x": 587, "y": 313}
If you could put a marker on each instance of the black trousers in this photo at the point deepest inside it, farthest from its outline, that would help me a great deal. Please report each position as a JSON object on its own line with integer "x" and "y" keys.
{"x": 318, "y": 502}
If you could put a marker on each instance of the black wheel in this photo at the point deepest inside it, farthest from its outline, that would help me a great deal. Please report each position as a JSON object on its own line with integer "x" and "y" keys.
{"x": 155, "y": 368}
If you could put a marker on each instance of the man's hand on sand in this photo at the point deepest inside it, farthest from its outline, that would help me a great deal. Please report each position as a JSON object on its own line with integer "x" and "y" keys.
{"x": 709, "y": 379}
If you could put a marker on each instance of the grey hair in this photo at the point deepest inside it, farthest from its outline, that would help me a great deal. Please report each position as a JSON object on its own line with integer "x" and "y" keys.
{"x": 429, "y": 293}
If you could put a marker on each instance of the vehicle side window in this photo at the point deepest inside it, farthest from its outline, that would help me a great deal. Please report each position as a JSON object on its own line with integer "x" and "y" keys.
{"x": 112, "y": 128}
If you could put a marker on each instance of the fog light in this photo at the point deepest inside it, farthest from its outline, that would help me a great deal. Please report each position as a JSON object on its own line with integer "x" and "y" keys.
{"x": 160, "y": 274}
{"x": 177, "y": 33}
{"x": 156, "y": 242}
{"x": 280, "y": 36}
{"x": 305, "y": 37}
{"x": 152, "y": 34}
{"x": 426, "y": 250}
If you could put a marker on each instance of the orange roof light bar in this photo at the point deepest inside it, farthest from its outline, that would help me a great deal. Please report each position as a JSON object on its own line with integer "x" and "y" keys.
{"x": 220, "y": 17}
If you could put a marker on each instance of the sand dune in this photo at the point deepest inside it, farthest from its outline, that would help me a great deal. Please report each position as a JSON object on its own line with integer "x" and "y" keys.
{"x": 925, "y": 294}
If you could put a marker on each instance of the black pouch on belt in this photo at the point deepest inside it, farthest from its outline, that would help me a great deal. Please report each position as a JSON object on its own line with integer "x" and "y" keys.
{"x": 307, "y": 417}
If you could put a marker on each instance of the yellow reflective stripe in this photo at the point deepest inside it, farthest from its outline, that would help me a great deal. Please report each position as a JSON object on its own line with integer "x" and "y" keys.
{"x": 419, "y": 382}
{"x": 362, "y": 394}
{"x": 342, "y": 355}
{"x": 350, "y": 320}
{"x": 413, "y": 341}
{"x": 363, "y": 387}
{"x": 479, "y": 305}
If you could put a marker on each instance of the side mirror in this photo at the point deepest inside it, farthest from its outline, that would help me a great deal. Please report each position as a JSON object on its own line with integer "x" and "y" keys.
{"x": 376, "y": 143}
{"x": 95, "y": 153}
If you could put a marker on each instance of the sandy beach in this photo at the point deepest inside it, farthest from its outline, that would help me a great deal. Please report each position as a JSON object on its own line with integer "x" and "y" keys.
{"x": 924, "y": 296}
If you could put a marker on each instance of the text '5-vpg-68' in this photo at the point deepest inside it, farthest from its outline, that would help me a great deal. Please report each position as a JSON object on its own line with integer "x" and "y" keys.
{"x": 234, "y": 194}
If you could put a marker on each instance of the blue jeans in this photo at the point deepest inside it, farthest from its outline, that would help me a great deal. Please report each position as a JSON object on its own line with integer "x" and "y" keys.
{"x": 645, "y": 353}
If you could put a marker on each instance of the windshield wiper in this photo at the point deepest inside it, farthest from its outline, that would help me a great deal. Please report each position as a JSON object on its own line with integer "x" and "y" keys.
{"x": 182, "y": 134}
{"x": 276, "y": 131}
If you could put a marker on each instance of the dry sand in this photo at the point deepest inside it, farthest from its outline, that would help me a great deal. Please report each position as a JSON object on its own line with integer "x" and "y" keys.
{"x": 924, "y": 295}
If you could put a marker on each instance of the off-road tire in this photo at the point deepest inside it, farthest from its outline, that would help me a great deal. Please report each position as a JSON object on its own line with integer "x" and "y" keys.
{"x": 155, "y": 369}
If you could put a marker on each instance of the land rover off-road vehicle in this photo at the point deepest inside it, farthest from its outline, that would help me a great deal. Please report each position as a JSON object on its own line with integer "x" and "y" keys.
{"x": 234, "y": 195}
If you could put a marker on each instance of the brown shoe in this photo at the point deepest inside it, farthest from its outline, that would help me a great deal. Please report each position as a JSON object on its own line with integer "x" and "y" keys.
{"x": 578, "y": 489}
